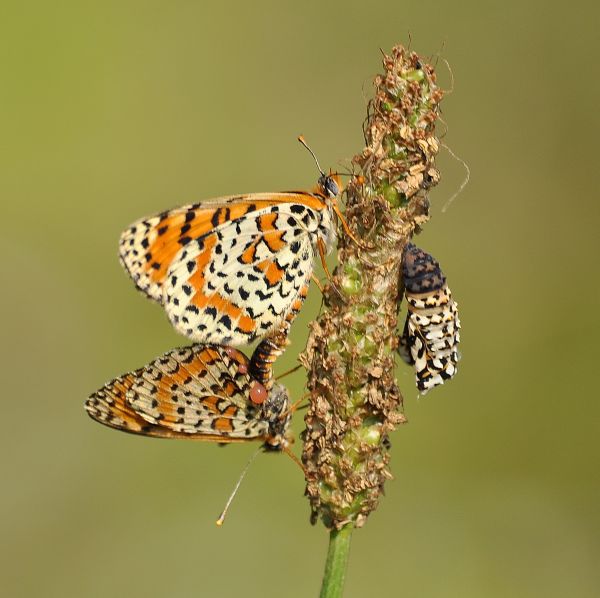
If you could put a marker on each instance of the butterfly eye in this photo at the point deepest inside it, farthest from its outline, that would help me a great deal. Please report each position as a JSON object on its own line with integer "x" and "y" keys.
{"x": 332, "y": 187}
{"x": 329, "y": 186}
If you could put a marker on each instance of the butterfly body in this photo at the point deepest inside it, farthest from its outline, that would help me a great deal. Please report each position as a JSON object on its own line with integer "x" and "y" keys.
{"x": 201, "y": 392}
{"x": 231, "y": 270}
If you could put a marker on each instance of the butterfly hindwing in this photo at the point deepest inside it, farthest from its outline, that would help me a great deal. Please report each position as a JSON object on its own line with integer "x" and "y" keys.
{"x": 239, "y": 282}
{"x": 201, "y": 392}
{"x": 109, "y": 406}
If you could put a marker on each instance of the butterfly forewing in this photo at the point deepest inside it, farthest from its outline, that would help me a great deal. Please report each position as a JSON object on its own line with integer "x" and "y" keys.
{"x": 149, "y": 245}
{"x": 196, "y": 392}
{"x": 228, "y": 271}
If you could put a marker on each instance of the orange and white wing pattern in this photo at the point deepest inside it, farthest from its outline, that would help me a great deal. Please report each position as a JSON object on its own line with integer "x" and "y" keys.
{"x": 239, "y": 282}
{"x": 200, "y": 392}
{"x": 148, "y": 246}
{"x": 232, "y": 270}
{"x": 108, "y": 406}
{"x": 431, "y": 331}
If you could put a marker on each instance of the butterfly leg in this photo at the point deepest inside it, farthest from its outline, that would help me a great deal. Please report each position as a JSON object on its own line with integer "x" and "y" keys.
{"x": 317, "y": 282}
{"x": 321, "y": 248}
{"x": 293, "y": 457}
{"x": 347, "y": 228}
{"x": 296, "y": 405}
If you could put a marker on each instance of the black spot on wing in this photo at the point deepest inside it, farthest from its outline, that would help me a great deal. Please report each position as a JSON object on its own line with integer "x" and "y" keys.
{"x": 263, "y": 296}
{"x": 226, "y": 321}
{"x": 215, "y": 217}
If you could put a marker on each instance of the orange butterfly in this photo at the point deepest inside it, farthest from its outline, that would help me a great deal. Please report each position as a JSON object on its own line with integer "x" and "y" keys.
{"x": 201, "y": 392}
{"x": 235, "y": 269}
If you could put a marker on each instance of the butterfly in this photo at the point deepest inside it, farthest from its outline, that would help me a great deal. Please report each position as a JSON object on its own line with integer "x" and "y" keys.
{"x": 200, "y": 392}
{"x": 235, "y": 269}
{"x": 431, "y": 331}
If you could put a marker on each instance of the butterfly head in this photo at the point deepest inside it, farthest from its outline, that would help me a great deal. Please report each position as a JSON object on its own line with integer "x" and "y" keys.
{"x": 330, "y": 185}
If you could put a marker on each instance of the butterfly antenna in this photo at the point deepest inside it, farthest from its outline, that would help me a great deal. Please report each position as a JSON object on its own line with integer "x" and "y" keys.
{"x": 221, "y": 518}
{"x": 335, "y": 207}
{"x": 303, "y": 142}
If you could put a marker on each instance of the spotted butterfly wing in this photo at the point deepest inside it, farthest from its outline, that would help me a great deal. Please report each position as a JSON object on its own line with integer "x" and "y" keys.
{"x": 431, "y": 331}
{"x": 231, "y": 271}
{"x": 240, "y": 281}
{"x": 200, "y": 392}
{"x": 148, "y": 246}
{"x": 109, "y": 406}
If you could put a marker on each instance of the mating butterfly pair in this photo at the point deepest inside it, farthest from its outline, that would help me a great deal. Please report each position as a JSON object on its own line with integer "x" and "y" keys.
{"x": 227, "y": 272}
{"x": 235, "y": 269}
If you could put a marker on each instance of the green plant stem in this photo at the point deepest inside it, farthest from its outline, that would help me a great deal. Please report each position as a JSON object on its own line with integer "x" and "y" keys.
{"x": 337, "y": 560}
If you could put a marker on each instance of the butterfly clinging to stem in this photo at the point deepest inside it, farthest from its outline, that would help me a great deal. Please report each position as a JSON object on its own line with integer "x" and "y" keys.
{"x": 235, "y": 269}
{"x": 201, "y": 392}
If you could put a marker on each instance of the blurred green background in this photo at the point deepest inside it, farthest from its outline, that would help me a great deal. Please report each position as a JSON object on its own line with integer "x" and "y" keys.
{"x": 113, "y": 110}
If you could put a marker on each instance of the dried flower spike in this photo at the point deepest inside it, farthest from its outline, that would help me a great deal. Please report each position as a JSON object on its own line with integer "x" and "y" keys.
{"x": 355, "y": 402}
